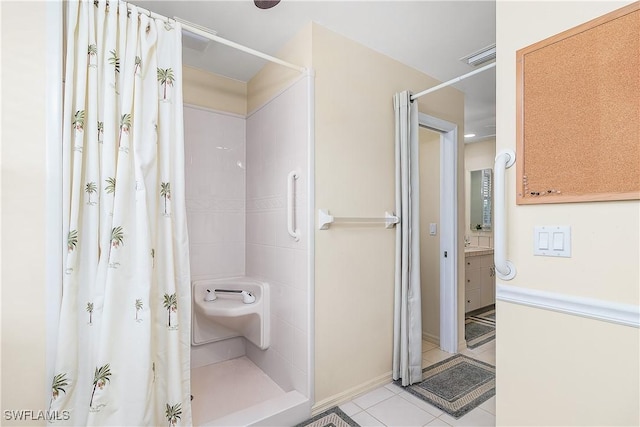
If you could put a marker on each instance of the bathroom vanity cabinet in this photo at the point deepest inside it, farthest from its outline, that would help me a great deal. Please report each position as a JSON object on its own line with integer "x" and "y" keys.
{"x": 480, "y": 278}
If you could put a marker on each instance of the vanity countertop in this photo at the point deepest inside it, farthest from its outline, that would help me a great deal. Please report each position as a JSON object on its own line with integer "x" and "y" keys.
{"x": 477, "y": 251}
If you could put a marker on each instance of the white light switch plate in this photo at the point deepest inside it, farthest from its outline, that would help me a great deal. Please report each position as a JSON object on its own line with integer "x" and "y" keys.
{"x": 552, "y": 240}
{"x": 433, "y": 229}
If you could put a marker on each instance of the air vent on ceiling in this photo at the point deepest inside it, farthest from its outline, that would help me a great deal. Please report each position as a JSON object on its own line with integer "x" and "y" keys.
{"x": 480, "y": 57}
{"x": 195, "y": 41}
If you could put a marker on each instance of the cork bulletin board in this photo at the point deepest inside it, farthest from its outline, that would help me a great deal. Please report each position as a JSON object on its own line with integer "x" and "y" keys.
{"x": 578, "y": 113}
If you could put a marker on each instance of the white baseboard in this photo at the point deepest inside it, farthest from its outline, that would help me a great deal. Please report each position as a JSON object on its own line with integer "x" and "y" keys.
{"x": 605, "y": 311}
{"x": 347, "y": 395}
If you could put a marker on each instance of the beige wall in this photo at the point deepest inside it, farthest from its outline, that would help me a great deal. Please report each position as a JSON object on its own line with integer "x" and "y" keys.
{"x": 213, "y": 91}
{"x": 355, "y": 176}
{"x": 430, "y": 245}
{"x": 560, "y": 370}
{"x": 273, "y": 78}
{"x": 23, "y": 207}
{"x": 477, "y": 155}
{"x": 205, "y": 89}
{"x": 557, "y": 369}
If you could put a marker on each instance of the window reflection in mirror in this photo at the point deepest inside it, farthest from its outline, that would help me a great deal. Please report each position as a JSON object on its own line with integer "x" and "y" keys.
{"x": 480, "y": 203}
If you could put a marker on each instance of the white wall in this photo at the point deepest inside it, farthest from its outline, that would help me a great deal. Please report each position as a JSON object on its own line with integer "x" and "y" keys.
{"x": 215, "y": 192}
{"x": 277, "y": 144}
{"x": 553, "y": 368}
{"x": 215, "y": 104}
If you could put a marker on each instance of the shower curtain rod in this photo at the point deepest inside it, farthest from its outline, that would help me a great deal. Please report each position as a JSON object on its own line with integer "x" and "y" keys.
{"x": 452, "y": 81}
{"x": 209, "y": 35}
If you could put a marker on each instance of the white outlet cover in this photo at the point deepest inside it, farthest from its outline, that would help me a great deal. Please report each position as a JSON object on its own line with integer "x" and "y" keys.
{"x": 552, "y": 240}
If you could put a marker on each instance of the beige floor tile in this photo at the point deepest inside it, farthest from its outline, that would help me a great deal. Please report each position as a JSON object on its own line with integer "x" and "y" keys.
{"x": 489, "y": 405}
{"x": 476, "y": 418}
{"x": 399, "y": 412}
{"x": 487, "y": 357}
{"x": 350, "y": 408}
{"x": 373, "y": 397}
{"x": 438, "y": 423}
{"x": 365, "y": 419}
{"x": 435, "y": 355}
{"x": 426, "y": 346}
{"x": 436, "y": 412}
{"x": 394, "y": 388}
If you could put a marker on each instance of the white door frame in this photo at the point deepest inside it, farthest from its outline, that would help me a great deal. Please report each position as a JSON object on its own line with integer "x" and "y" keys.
{"x": 448, "y": 229}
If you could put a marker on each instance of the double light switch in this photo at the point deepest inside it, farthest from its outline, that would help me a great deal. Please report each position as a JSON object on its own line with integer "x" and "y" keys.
{"x": 554, "y": 241}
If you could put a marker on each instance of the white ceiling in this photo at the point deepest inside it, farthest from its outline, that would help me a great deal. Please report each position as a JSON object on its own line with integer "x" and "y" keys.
{"x": 430, "y": 36}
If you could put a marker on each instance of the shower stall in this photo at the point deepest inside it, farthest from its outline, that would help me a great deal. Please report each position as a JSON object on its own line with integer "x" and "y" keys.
{"x": 241, "y": 203}
{"x": 249, "y": 208}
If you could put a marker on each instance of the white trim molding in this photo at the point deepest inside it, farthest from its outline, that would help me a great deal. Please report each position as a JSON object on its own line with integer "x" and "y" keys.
{"x": 606, "y": 311}
{"x": 449, "y": 243}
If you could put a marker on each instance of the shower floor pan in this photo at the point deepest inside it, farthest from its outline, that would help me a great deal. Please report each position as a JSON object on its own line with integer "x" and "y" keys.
{"x": 238, "y": 393}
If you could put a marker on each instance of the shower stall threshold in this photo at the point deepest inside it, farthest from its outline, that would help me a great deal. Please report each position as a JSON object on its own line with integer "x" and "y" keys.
{"x": 288, "y": 409}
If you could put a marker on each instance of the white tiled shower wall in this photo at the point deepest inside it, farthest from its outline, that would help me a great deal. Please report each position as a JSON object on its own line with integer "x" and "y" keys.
{"x": 276, "y": 145}
{"x": 215, "y": 192}
{"x": 236, "y": 175}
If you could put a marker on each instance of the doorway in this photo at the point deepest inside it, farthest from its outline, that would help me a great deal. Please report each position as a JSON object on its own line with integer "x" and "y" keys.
{"x": 446, "y": 247}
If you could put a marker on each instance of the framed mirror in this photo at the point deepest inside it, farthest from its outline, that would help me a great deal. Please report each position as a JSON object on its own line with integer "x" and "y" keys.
{"x": 480, "y": 205}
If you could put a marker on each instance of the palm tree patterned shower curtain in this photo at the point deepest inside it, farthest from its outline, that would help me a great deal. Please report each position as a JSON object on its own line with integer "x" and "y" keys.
{"x": 123, "y": 342}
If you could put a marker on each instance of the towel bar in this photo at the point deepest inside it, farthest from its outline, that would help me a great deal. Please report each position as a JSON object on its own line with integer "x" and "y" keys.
{"x": 324, "y": 219}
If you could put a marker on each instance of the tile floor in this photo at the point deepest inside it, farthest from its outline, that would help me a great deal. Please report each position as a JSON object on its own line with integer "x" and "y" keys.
{"x": 391, "y": 406}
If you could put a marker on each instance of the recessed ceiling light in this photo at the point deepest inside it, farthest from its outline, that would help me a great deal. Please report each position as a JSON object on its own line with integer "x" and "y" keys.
{"x": 469, "y": 135}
